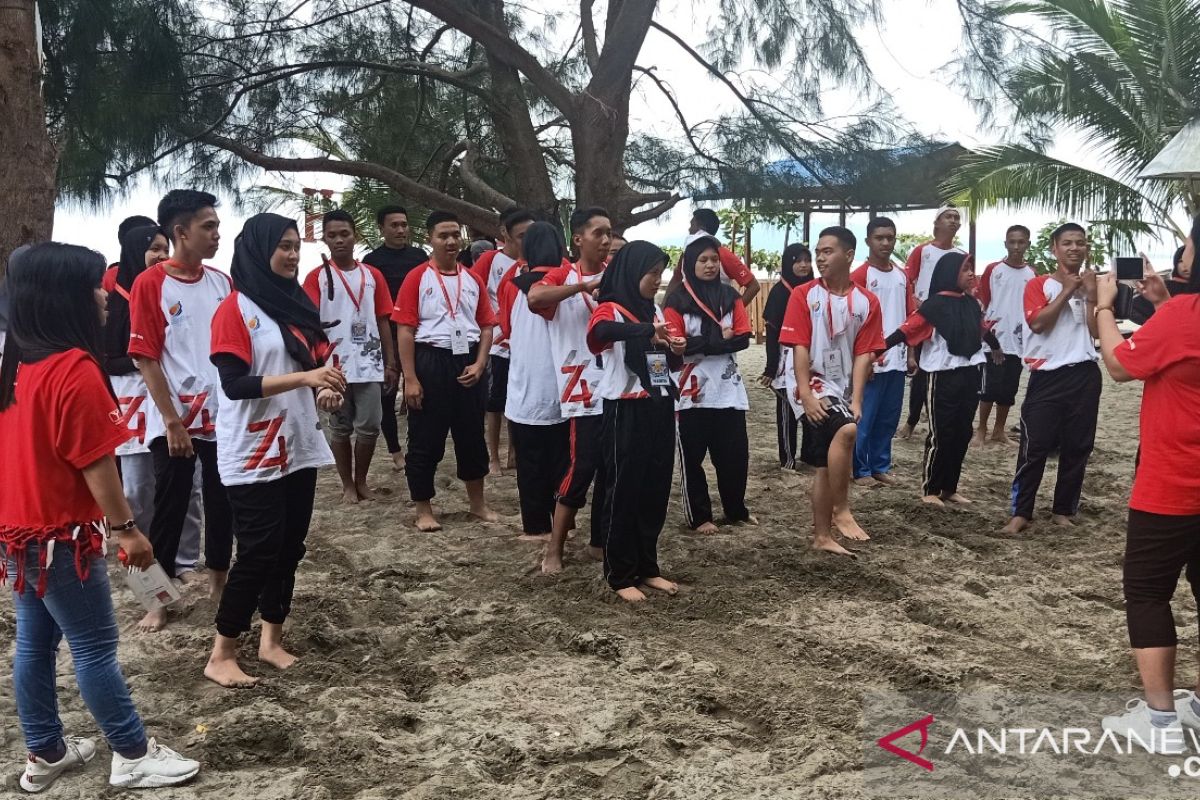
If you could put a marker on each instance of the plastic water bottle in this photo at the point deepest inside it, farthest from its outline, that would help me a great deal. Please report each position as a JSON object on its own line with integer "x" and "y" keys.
{"x": 152, "y": 587}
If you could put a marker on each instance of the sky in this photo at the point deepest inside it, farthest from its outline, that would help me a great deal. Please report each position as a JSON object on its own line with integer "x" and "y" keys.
{"x": 906, "y": 53}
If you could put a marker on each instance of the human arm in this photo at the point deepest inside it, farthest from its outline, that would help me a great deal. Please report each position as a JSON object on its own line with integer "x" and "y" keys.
{"x": 1041, "y": 316}
{"x": 179, "y": 443}
{"x": 104, "y": 482}
{"x": 406, "y": 346}
{"x": 751, "y": 290}
{"x": 814, "y": 409}
{"x": 239, "y": 384}
{"x": 553, "y": 289}
{"x": 1107, "y": 331}
{"x": 472, "y": 374}
{"x": 864, "y": 369}
{"x": 391, "y": 368}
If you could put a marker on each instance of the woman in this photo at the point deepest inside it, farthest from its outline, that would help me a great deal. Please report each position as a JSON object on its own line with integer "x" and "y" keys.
{"x": 628, "y": 333}
{"x": 1163, "y": 531}
{"x": 712, "y": 401}
{"x": 59, "y": 426}
{"x": 267, "y": 344}
{"x": 795, "y": 270}
{"x": 951, "y": 324}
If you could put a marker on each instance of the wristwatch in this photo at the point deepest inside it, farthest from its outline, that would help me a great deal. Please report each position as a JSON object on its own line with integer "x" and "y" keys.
{"x": 128, "y": 525}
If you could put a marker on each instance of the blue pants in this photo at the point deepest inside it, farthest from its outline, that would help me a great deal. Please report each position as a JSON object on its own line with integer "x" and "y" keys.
{"x": 81, "y": 611}
{"x": 883, "y": 400}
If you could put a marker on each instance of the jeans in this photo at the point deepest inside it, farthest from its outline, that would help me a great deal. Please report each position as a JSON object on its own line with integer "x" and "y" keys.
{"x": 883, "y": 400}
{"x": 83, "y": 612}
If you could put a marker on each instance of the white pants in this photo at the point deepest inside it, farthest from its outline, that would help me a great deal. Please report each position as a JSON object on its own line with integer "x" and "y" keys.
{"x": 137, "y": 474}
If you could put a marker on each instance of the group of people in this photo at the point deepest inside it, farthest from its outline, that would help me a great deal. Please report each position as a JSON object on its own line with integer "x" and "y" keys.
{"x": 227, "y": 393}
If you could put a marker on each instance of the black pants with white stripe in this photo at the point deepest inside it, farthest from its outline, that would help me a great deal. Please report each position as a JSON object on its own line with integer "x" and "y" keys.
{"x": 721, "y": 434}
{"x": 1059, "y": 412}
{"x": 785, "y": 429}
{"x": 639, "y": 459}
{"x": 542, "y": 454}
{"x": 953, "y": 396}
{"x": 585, "y": 470}
{"x": 918, "y": 389}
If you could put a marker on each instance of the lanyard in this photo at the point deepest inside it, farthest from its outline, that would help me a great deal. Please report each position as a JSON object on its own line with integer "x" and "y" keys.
{"x": 362, "y": 285}
{"x": 121, "y": 290}
{"x": 587, "y": 299}
{"x": 829, "y": 307}
{"x": 453, "y": 309}
{"x": 707, "y": 311}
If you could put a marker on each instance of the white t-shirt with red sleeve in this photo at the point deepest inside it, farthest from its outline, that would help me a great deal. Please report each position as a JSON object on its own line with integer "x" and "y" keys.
{"x": 170, "y": 321}
{"x": 436, "y": 305}
{"x": 490, "y": 268}
{"x": 617, "y": 382}
{"x": 532, "y": 387}
{"x": 894, "y": 292}
{"x": 920, "y": 264}
{"x": 263, "y": 439}
{"x": 709, "y": 381}
{"x": 835, "y": 329}
{"x": 130, "y": 390}
{"x": 936, "y": 355}
{"x": 1002, "y": 292}
{"x": 577, "y": 370}
{"x": 359, "y": 298}
{"x": 1069, "y": 341}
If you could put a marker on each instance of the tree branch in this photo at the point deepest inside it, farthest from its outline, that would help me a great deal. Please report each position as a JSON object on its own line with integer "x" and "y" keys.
{"x": 476, "y": 184}
{"x": 460, "y": 79}
{"x": 590, "y": 48}
{"x": 627, "y": 31}
{"x": 687, "y": 130}
{"x": 654, "y": 212}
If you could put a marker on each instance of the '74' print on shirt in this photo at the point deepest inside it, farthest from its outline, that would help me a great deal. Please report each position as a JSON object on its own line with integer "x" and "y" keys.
{"x": 269, "y": 428}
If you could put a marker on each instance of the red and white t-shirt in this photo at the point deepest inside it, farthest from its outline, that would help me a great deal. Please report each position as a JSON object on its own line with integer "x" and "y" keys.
{"x": 893, "y": 290}
{"x": 532, "y": 386}
{"x": 360, "y": 298}
{"x": 436, "y": 305}
{"x": 1069, "y": 341}
{"x": 1165, "y": 353}
{"x": 170, "y": 321}
{"x": 263, "y": 438}
{"x": 921, "y": 262}
{"x": 63, "y": 419}
{"x": 835, "y": 329}
{"x": 130, "y": 389}
{"x": 576, "y": 369}
{"x": 935, "y": 355}
{"x": 709, "y": 381}
{"x": 1002, "y": 292}
{"x": 490, "y": 268}
{"x": 617, "y": 381}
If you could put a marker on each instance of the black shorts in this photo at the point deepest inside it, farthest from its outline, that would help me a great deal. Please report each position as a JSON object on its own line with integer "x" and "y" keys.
{"x": 814, "y": 450}
{"x": 586, "y": 459}
{"x": 999, "y": 382}
{"x": 497, "y": 384}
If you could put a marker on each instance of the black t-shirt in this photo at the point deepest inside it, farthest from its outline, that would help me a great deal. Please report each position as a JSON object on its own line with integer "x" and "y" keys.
{"x": 395, "y": 264}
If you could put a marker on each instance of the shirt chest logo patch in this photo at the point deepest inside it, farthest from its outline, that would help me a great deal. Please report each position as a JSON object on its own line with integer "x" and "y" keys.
{"x": 176, "y": 309}
{"x": 815, "y": 306}
{"x": 253, "y": 324}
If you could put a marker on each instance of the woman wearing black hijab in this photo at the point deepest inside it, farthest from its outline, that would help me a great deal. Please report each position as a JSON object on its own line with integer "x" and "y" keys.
{"x": 268, "y": 345}
{"x": 712, "y": 401}
{"x": 950, "y": 323}
{"x": 631, "y": 338}
{"x": 795, "y": 270}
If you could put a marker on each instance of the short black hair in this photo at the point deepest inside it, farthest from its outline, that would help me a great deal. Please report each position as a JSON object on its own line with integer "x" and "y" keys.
{"x": 129, "y": 223}
{"x": 436, "y": 218}
{"x": 382, "y": 214}
{"x": 580, "y": 217}
{"x": 178, "y": 206}
{"x": 844, "y": 236}
{"x": 710, "y": 223}
{"x": 338, "y": 215}
{"x": 514, "y": 217}
{"x": 880, "y": 222}
{"x": 1019, "y": 229}
{"x": 1067, "y": 227}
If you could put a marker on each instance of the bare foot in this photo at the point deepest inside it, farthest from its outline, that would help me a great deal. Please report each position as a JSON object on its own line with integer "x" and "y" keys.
{"x": 956, "y": 498}
{"x": 226, "y": 672}
{"x": 1062, "y": 521}
{"x": 485, "y": 514}
{"x": 933, "y": 500}
{"x": 1015, "y": 526}
{"x": 829, "y": 545}
{"x": 848, "y": 526}
{"x": 1000, "y": 437}
{"x": 494, "y": 469}
{"x": 364, "y": 493}
{"x": 216, "y": 584}
{"x": 532, "y": 537}
{"x": 189, "y": 576}
{"x": 595, "y": 553}
{"x": 398, "y": 462}
{"x": 750, "y": 520}
{"x": 905, "y": 432}
{"x": 349, "y": 494}
{"x": 276, "y": 656}
{"x": 979, "y": 439}
{"x": 661, "y": 584}
{"x": 154, "y": 621}
{"x": 512, "y": 462}
{"x": 865, "y": 481}
{"x": 631, "y": 594}
{"x": 552, "y": 563}
{"x": 707, "y": 527}
{"x": 885, "y": 478}
{"x": 427, "y": 523}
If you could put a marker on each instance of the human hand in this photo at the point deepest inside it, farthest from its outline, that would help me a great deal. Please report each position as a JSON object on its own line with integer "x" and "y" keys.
{"x": 1087, "y": 278}
{"x": 179, "y": 442}
{"x": 1106, "y": 290}
{"x": 1071, "y": 284}
{"x": 765, "y": 381}
{"x": 662, "y": 334}
{"x": 997, "y": 357}
{"x": 327, "y": 377}
{"x": 471, "y": 375}
{"x": 329, "y": 401}
{"x": 814, "y": 407}
{"x": 391, "y": 375}
{"x": 856, "y": 410}
{"x": 413, "y": 393}
{"x": 1152, "y": 286}
{"x": 726, "y": 333}
{"x": 139, "y": 554}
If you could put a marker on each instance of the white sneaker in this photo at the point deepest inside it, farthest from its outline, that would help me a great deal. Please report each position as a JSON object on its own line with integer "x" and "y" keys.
{"x": 1135, "y": 726}
{"x": 40, "y": 774}
{"x": 1183, "y": 707}
{"x": 161, "y": 766}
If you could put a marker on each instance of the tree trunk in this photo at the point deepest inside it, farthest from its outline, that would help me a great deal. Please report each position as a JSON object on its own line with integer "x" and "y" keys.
{"x": 28, "y": 159}
{"x": 599, "y": 134}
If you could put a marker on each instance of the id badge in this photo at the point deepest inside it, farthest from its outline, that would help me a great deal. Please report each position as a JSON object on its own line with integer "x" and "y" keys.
{"x": 833, "y": 368}
{"x": 458, "y": 342}
{"x": 1077, "y": 309}
{"x": 656, "y": 365}
{"x": 358, "y": 332}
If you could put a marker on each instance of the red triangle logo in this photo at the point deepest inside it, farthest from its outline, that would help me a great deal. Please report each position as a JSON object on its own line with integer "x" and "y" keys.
{"x": 922, "y": 725}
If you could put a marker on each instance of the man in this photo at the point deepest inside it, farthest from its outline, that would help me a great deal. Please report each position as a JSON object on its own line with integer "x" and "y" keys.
{"x": 618, "y": 241}
{"x": 171, "y": 308}
{"x": 564, "y": 297}
{"x": 354, "y": 300}
{"x": 919, "y": 267}
{"x": 444, "y": 332}
{"x": 883, "y": 396}
{"x": 394, "y": 259}
{"x": 834, "y": 329}
{"x": 1002, "y": 294}
{"x": 1062, "y": 400}
{"x": 733, "y": 270}
{"x": 490, "y": 269}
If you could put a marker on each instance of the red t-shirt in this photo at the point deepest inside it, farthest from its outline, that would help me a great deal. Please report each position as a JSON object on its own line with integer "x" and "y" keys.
{"x": 64, "y": 418}
{"x": 1165, "y": 354}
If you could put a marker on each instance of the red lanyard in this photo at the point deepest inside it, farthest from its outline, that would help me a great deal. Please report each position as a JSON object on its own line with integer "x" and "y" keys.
{"x": 121, "y": 290}
{"x": 362, "y": 284}
{"x": 625, "y": 313}
{"x": 587, "y": 295}
{"x": 453, "y": 309}
{"x": 708, "y": 311}
{"x": 829, "y": 310}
